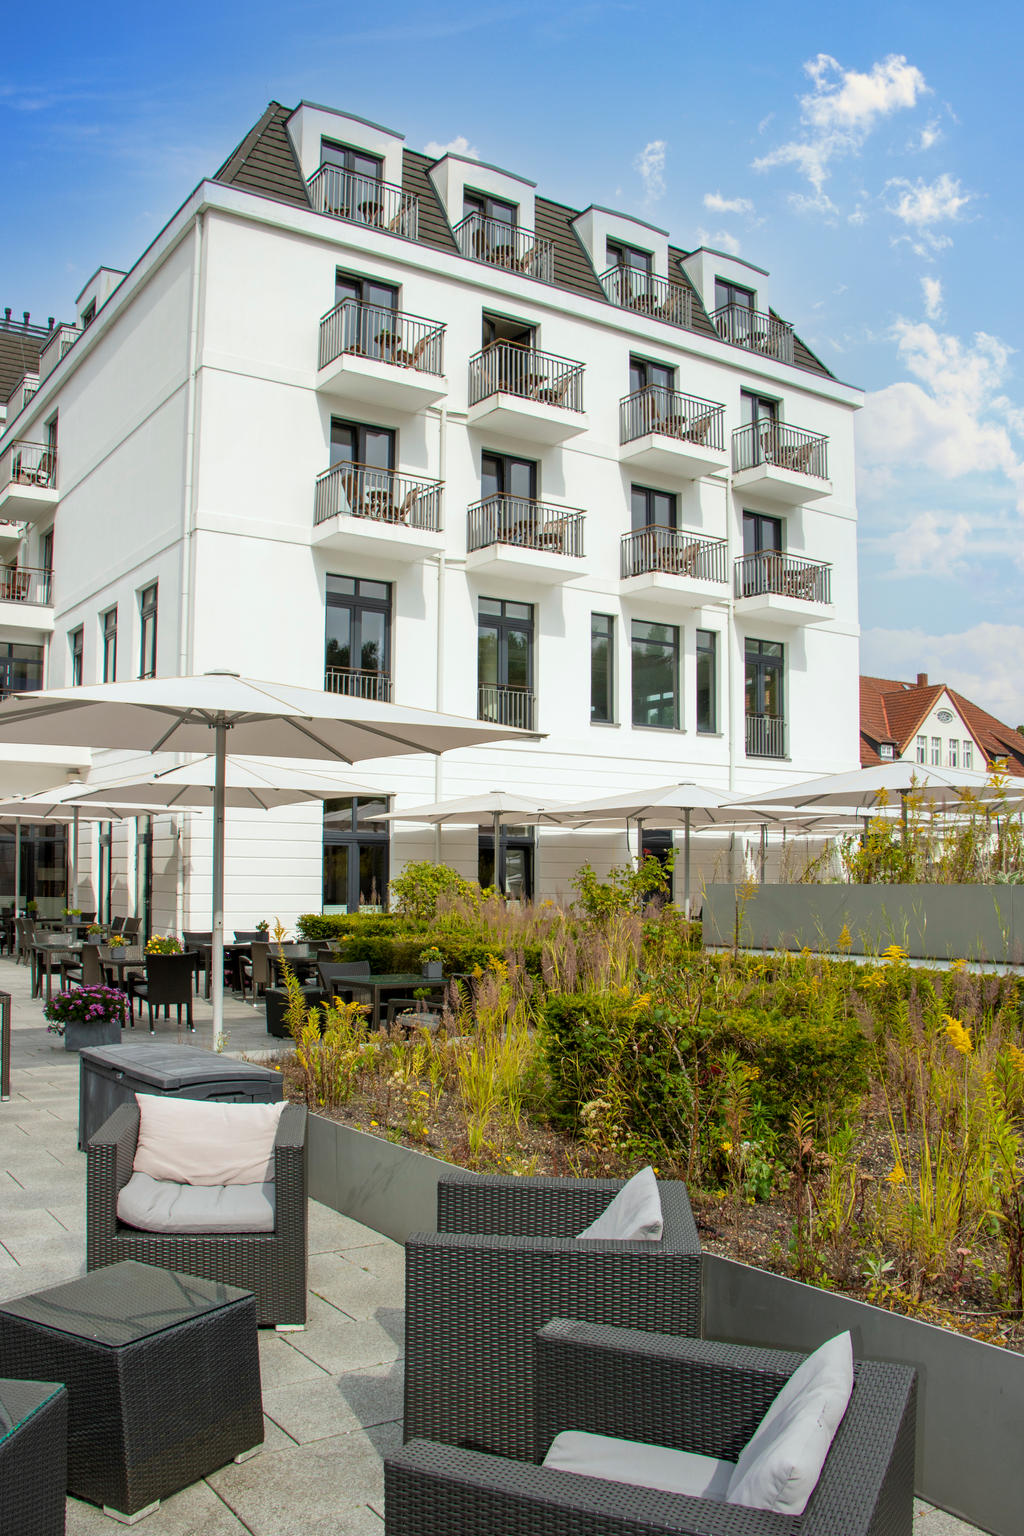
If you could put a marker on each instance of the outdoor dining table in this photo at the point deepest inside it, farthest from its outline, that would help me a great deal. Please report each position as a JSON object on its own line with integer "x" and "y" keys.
{"x": 43, "y": 954}
{"x": 122, "y": 960}
{"x": 373, "y": 988}
{"x": 232, "y": 954}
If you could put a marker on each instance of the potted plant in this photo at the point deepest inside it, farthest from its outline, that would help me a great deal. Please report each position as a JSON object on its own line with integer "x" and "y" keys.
{"x": 31, "y": 908}
{"x": 116, "y": 941}
{"x": 432, "y": 962}
{"x": 87, "y": 1016}
{"x": 263, "y": 927}
{"x": 163, "y": 946}
{"x": 73, "y": 912}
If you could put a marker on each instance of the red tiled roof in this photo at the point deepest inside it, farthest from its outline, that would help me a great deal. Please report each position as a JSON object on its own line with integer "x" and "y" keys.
{"x": 891, "y": 710}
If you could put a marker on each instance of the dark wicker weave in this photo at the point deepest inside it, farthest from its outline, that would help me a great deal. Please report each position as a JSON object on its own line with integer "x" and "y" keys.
{"x": 33, "y": 1458}
{"x": 162, "y": 1372}
{"x": 502, "y": 1264}
{"x": 691, "y": 1394}
{"x": 270, "y": 1264}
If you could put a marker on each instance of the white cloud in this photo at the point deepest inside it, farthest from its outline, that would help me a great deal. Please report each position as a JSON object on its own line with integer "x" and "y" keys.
{"x": 931, "y": 544}
{"x": 650, "y": 162}
{"x": 929, "y": 136}
{"x": 842, "y": 108}
{"x": 457, "y": 146}
{"x": 720, "y": 240}
{"x": 931, "y": 289}
{"x": 719, "y": 204}
{"x": 921, "y": 204}
{"x": 955, "y": 421}
{"x": 982, "y": 662}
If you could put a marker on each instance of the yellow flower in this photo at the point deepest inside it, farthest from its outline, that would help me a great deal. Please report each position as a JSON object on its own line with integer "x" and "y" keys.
{"x": 958, "y": 965}
{"x": 726, "y": 1146}
{"x": 959, "y": 1035}
{"x": 1017, "y": 1057}
{"x": 373, "y": 1122}
{"x": 895, "y": 954}
{"x": 845, "y": 940}
{"x": 897, "y": 1175}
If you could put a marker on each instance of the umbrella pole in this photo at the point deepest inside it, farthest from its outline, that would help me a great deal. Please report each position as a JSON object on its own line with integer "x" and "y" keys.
{"x": 499, "y": 867}
{"x": 17, "y": 867}
{"x": 764, "y": 849}
{"x": 73, "y": 900}
{"x": 686, "y": 862}
{"x": 217, "y": 946}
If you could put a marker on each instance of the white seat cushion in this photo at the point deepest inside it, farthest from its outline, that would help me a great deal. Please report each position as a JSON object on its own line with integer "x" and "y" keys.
{"x": 157, "y": 1205}
{"x": 195, "y": 1141}
{"x": 634, "y": 1216}
{"x": 645, "y": 1466}
{"x": 780, "y": 1465}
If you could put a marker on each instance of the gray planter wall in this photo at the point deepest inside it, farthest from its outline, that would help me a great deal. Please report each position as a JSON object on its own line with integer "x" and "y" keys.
{"x": 931, "y": 922}
{"x": 389, "y": 1188}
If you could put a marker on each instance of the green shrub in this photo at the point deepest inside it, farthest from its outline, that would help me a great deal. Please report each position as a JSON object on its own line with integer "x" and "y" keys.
{"x": 813, "y": 1064}
{"x": 401, "y": 951}
{"x": 417, "y": 890}
{"x": 337, "y": 925}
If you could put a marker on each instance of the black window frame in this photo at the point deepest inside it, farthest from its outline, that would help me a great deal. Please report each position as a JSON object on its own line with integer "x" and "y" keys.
{"x": 108, "y": 645}
{"x": 763, "y": 408}
{"x": 608, "y": 683}
{"x": 516, "y": 839}
{"x": 506, "y": 623}
{"x": 706, "y": 687}
{"x": 645, "y": 498}
{"x": 761, "y": 660}
{"x": 358, "y": 835}
{"x": 483, "y": 204}
{"x": 622, "y": 250}
{"x": 671, "y": 647}
{"x": 76, "y": 647}
{"x": 347, "y": 154}
{"x": 726, "y": 293}
{"x": 21, "y": 667}
{"x": 359, "y": 602}
{"x": 359, "y": 430}
{"x": 149, "y": 602}
{"x": 759, "y": 522}
{"x": 361, "y": 281}
{"x": 46, "y": 551}
{"x": 640, "y": 374}
{"x": 504, "y": 463}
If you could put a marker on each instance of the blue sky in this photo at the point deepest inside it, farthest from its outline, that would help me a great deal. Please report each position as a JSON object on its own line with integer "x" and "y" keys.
{"x": 869, "y": 160}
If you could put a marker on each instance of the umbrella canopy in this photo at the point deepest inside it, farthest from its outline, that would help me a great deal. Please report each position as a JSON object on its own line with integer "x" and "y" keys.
{"x": 862, "y": 788}
{"x": 496, "y": 809}
{"x": 249, "y": 783}
{"x": 179, "y": 714}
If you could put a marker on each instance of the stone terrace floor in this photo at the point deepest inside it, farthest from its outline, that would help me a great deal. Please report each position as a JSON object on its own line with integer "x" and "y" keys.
{"x": 332, "y": 1394}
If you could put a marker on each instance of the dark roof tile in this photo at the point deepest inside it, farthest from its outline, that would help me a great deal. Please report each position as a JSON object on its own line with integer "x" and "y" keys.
{"x": 20, "y": 346}
{"x": 434, "y": 228}
{"x": 265, "y": 161}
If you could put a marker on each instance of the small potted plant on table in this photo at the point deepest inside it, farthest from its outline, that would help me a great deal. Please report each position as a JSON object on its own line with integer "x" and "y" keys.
{"x": 431, "y": 963}
{"x": 87, "y": 1016}
{"x": 163, "y": 946}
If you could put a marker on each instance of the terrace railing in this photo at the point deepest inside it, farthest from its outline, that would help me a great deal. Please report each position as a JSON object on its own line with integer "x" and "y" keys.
{"x": 25, "y": 463}
{"x": 630, "y": 288}
{"x": 507, "y": 246}
{"x": 674, "y": 551}
{"x": 755, "y": 330}
{"x": 777, "y": 443}
{"x": 25, "y": 584}
{"x": 515, "y": 370}
{"x": 363, "y": 491}
{"x": 59, "y": 345}
{"x": 502, "y": 704}
{"x": 358, "y": 683}
{"x": 364, "y": 200}
{"x": 770, "y": 572}
{"x": 388, "y": 335}
{"x": 765, "y": 736}
{"x": 526, "y": 523}
{"x": 656, "y": 409}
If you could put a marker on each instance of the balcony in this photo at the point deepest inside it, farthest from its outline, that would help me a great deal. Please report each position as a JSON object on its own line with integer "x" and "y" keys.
{"x": 357, "y": 507}
{"x": 786, "y": 588}
{"x": 381, "y": 356}
{"x": 358, "y": 683}
{"x": 62, "y": 339}
{"x": 364, "y": 200}
{"x": 506, "y": 246}
{"x": 21, "y": 395}
{"x": 780, "y": 463}
{"x": 524, "y": 540}
{"x": 28, "y": 481}
{"x": 11, "y": 535}
{"x": 501, "y": 704}
{"x": 672, "y": 568}
{"x": 529, "y": 396}
{"x": 672, "y": 434}
{"x": 765, "y": 736}
{"x": 645, "y": 294}
{"x": 758, "y": 332}
{"x": 25, "y": 599}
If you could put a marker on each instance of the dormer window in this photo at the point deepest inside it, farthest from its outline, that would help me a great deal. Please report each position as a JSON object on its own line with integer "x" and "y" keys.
{"x": 493, "y": 208}
{"x": 620, "y": 255}
{"x": 886, "y": 751}
{"x": 732, "y": 295}
{"x": 88, "y": 315}
{"x": 353, "y": 185}
{"x": 348, "y": 159}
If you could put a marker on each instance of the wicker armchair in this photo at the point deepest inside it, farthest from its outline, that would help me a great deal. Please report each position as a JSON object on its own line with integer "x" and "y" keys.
{"x": 692, "y": 1395}
{"x": 503, "y": 1262}
{"x": 270, "y": 1264}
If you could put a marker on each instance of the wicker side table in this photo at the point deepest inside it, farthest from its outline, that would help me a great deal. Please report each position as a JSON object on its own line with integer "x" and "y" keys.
{"x": 162, "y": 1372}
{"x": 33, "y": 1457}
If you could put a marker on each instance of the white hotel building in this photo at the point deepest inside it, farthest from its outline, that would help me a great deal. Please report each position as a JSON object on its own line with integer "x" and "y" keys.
{"x": 409, "y": 427}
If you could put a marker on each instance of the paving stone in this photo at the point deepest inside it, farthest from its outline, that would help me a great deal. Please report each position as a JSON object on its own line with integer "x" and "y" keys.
{"x": 337, "y": 1405}
{"x": 281, "y": 1364}
{"x": 349, "y": 1287}
{"x": 45, "y": 1249}
{"x": 197, "y": 1511}
{"x": 329, "y": 1231}
{"x": 340, "y": 1345}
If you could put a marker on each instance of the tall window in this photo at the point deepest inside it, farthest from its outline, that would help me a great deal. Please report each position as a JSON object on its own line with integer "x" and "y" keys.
{"x": 503, "y": 475}
{"x": 652, "y": 509}
{"x": 355, "y": 870}
{"x": 733, "y": 293}
{"x": 602, "y": 668}
{"x": 353, "y": 442}
{"x": 757, "y": 408}
{"x": 968, "y": 754}
{"x": 108, "y": 623}
{"x": 765, "y": 661}
{"x": 954, "y": 754}
{"x": 761, "y": 533}
{"x": 936, "y": 751}
{"x": 707, "y": 681}
{"x": 488, "y": 207}
{"x": 147, "y": 631}
{"x": 655, "y": 657}
{"x": 21, "y": 668}
{"x": 348, "y": 159}
{"x": 46, "y": 550}
{"x": 505, "y": 662}
{"x": 622, "y": 255}
{"x": 357, "y": 657}
{"x": 368, "y": 325}
{"x": 515, "y": 869}
{"x": 644, "y": 374}
{"x": 351, "y": 182}
{"x": 922, "y": 749}
{"x": 76, "y": 645}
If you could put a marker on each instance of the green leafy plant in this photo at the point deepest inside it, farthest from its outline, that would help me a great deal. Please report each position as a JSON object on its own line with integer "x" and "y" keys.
{"x": 417, "y": 890}
{"x": 158, "y": 945}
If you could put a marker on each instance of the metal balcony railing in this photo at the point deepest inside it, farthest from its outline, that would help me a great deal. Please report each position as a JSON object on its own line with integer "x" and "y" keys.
{"x": 674, "y": 551}
{"x": 755, "y": 330}
{"x": 526, "y": 523}
{"x": 364, "y": 200}
{"x": 25, "y": 463}
{"x": 387, "y": 335}
{"x": 785, "y": 447}
{"x": 630, "y": 288}
{"x": 502, "y": 704}
{"x": 62, "y": 339}
{"x": 358, "y": 683}
{"x": 362, "y": 491}
{"x": 656, "y": 409}
{"x": 21, "y": 394}
{"x": 505, "y": 245}
{"x": 765, "y": 736}
{"x": 514, "y": 370}
{"x": 770, "y": 572}
{"x": 25, "y": 584}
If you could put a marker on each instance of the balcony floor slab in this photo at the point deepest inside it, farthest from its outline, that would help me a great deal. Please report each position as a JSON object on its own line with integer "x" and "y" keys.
{"x": 355, "y": 379}
{"x": 673, "y": 456}
{"x": 31, "y": 618}
{"x": 665, "y": 590}
{"x": 26, "y": 503}
{"x": 372, "y": 536}
{"x": 773, "y": 483}
{"x": 511, "y": 417}
{"x": 791, "y": 612}
{"x": 514, "y": 562}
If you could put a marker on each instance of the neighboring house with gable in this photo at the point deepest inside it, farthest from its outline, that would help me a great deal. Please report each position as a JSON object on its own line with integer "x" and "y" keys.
{"x": 932, "y": 724}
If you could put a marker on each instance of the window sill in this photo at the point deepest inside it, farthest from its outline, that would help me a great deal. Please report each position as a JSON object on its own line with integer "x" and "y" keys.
{"x": 665, "y": 730}
{"x": 607, "y": 725}
{"x": 712, "y": 735}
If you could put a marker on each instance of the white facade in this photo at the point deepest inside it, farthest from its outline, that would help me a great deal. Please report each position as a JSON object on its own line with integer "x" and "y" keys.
{"x": 192, "y": 424}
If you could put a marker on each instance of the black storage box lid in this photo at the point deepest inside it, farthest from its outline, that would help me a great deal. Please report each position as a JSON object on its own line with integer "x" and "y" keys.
{"x": 170, "y": 1067}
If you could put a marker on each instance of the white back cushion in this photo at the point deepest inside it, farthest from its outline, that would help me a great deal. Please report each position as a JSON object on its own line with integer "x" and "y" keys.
{"x": 633, "y": 1216}
{"x": 194, "y": 1141}
{"x": 780, "y": 1465}
{"x": 645, "y": 1466}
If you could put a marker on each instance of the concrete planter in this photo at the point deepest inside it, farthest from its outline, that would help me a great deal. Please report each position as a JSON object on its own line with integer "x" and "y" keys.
{"x": 79, "y": 1036}
{"x": 931, "y": 922}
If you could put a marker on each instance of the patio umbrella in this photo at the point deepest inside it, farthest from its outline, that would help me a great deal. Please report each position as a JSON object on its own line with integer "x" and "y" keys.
{"x": 861, "y": 788}
{"x": 250, "y": 783}
{"x": 496, "y": 809}
{"x": 181, "y": 714}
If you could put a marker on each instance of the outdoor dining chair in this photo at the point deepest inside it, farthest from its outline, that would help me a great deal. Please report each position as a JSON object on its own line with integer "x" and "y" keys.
{"x": 167, "y": 985}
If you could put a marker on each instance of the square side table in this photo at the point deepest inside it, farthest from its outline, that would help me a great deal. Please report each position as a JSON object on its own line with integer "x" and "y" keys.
{"x": 33, "y": 1457}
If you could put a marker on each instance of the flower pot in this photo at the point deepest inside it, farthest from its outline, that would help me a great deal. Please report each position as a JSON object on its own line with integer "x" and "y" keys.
{"x": 432, "y": 970}
{"x": 78, "y": 1035}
